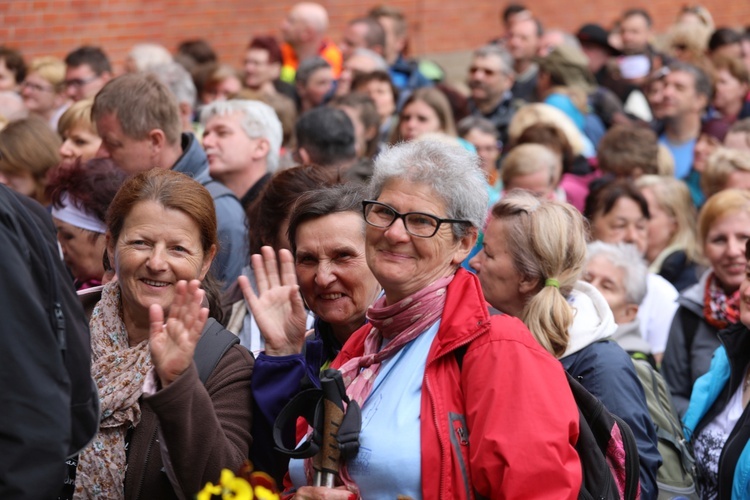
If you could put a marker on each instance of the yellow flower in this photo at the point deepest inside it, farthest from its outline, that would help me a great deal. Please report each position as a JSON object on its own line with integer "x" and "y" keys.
{"x": 208, "y": 491}
{"x": 262, "y": 493}
{"x": 234, "y": 488}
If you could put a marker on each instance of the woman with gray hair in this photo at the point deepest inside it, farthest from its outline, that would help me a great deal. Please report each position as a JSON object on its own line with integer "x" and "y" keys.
{"x": 619, "y": 272}
{"x": 443, "y": 386}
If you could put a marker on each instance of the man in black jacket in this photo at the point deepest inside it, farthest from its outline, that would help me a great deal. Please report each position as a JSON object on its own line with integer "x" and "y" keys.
{"x": 50, "y": 407}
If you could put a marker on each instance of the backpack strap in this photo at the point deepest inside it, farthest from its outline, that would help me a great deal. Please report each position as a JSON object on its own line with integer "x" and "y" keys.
{"x": 214, "y": 342}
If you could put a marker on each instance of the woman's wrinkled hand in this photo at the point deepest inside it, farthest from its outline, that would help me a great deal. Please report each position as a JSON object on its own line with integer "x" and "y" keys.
{"x": 173, "y": 342}
{"x": 322, "y": 493}
{"x": 278, "y": 308}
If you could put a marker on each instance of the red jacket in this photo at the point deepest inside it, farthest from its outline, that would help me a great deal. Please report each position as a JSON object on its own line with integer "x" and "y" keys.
{"x": 510, "y": 399}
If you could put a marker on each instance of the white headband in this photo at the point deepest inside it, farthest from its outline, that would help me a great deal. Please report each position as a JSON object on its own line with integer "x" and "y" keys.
{"x": 77, "y": 217}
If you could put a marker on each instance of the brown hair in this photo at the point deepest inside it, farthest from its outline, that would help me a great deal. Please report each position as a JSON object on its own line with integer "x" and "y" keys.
{"x": 29, "y": 146}
{"x": 274, "y": 204}
{"x": 435, "y": 99}
{"x": 734, "y": 66}
{"x": 550, "y": 135}
{"x": 625, "y": 148}
{"x": 141, "y": 104}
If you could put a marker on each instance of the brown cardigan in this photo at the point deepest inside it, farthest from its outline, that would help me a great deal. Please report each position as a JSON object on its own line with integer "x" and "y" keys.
{"x": 205, "y": 429}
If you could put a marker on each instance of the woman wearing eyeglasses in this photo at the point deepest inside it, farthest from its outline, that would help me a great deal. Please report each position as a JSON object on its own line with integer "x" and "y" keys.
{"x": 456, "y": 404}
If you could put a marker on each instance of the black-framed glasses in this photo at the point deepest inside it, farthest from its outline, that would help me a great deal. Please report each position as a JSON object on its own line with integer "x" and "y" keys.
{"x": 417, "y": 224}
{"x": 80, "y": 82}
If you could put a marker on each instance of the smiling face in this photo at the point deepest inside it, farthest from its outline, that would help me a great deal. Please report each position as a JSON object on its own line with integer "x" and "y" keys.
{"x": 157, "y": 247}
{"x": 418, "y": 118}
{"x": 725, "y": 248}
{"x": 405, "y": 264}
{"x": 332, "y": 270}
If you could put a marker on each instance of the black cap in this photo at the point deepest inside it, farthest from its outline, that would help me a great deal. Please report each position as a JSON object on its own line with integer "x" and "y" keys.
{"x": 595, "y": 34}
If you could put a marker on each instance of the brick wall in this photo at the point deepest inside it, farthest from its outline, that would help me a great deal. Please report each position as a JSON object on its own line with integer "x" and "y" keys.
{"x": 436, "y": 26}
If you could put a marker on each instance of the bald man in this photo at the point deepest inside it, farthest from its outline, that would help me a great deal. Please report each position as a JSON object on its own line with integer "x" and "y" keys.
{"x": 304, "y": 33}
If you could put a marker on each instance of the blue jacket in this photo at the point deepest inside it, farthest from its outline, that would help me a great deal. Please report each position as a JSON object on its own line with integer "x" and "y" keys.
{"x": 232, "y": 254}
{"x": 711, "y": 393}
{"x": 607, "y": 372}
{"x": 276, "y": 380}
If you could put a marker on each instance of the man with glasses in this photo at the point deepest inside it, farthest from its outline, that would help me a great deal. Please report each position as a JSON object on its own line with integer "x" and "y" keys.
{"x": 87, "y": 70}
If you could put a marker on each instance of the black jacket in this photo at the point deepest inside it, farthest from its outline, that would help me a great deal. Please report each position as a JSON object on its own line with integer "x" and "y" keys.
{"x": 50, "y": 407}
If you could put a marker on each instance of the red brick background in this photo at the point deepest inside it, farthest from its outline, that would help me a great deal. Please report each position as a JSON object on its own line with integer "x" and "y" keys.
{"x": 436, "y": 26}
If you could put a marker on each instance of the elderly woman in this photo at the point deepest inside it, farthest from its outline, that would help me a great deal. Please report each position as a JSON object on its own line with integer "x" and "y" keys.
{"x": 28, "y": 152}
{"x": 507, "y": 399}
{"x": 80, "y": 197}
{"x": 715, "y": 419}
{"x": 164, "y": 431}
{"x": 534, "y": 252}
{"x": 672, "y": 245}
{"x": 327, "y": 241}
{"x": 713, "y": 303}
{"x": 78, "y": 133}
{"x": 618, "y": 213}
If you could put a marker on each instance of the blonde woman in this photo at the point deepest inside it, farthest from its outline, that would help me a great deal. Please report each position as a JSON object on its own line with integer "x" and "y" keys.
{"x": 726, "y": 169}
{"x": 43, "y": 91}
{"x": 78, "y": 133}
{"x": 533, "y": 256}
{"x": 672, "y": 245}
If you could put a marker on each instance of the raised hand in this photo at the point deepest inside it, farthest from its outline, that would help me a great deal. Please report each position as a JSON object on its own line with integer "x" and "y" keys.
{"x": 173, "y": 343}
{"x": 278, "y": 308}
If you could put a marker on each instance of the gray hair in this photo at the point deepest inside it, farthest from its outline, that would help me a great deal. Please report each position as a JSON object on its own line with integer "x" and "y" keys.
{"x": 178, "y": 80}
{"x": 701, "y": 80}
{"x": 148, "y": 55}
{"x": 451, "y": 171}
{"x": 259, "y": 120}
{"x": 493, "y": 50}
{"x": 626, "y": 257}
{"x": 377, "y": 59}
{"x": 308, "y": 67}
{"x": 480, "y": 123}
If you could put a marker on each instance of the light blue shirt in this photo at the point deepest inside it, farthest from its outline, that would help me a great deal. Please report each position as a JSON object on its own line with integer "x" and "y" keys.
{"x": 682, "y": 154}
{"x": 389, "y": 460}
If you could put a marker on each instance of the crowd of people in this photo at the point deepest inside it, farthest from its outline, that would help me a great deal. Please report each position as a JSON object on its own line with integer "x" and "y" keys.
{"x": 231, "y": 232}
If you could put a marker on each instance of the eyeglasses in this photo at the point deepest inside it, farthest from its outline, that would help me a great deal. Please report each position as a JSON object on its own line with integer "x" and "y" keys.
{"x": 80, "y": 82}
{"x": 417, "y": 224}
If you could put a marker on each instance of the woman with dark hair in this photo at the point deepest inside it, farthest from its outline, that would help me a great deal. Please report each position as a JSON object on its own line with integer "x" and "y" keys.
{"x": 80, "y": 196}
{"x": 383, "y": 92}
{"x": 164, "y": 433}
{"x": 327, "y": 240}
{"x": 731, "y": 85}
{"x": 618, "y": 213}
{"x": 268, "y": 216}
{"x": 427, "y": 110}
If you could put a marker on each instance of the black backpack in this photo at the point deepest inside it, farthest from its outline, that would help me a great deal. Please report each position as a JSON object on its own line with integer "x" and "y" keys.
{"x": 607, "y": 450}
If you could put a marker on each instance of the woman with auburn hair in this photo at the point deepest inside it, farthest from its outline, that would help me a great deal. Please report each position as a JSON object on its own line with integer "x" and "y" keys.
{"x": 713, "y": 303}
{"x": 28, "y": 152}
{"x": 672, "y": 250}
{"x": 164, "y": 432}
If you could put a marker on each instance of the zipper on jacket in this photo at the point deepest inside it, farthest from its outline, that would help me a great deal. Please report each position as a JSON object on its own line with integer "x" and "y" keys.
{"x": 145, "y": 462}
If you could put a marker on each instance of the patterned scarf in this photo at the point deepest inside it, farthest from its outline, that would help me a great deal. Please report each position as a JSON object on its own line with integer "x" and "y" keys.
{"x": 720, "y": 309}
{"x": 400, "y": 323}
{"x": 119, "y": 371}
